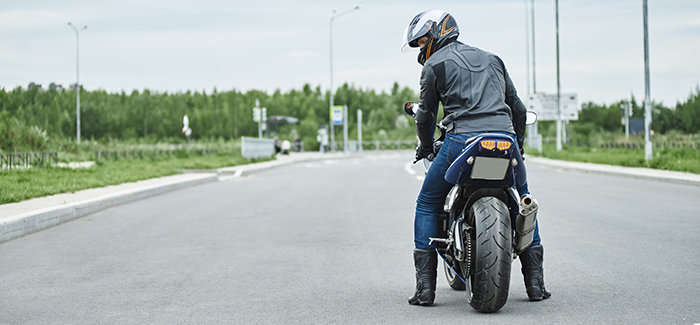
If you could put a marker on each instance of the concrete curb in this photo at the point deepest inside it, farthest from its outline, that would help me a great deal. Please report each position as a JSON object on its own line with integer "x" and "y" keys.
{"x": 632, "y": 172}
{"x": 19, "y": 224}
{"x": 26, "y": 223}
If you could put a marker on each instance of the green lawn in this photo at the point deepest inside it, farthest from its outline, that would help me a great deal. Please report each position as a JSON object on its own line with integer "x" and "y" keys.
{"x": 677, "y": 159}
{"x": 18, "y": 185}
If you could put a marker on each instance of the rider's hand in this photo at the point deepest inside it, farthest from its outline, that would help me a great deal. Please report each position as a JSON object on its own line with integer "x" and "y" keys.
{"x": 422, "y": 153}
{"x": 437, "y": 145}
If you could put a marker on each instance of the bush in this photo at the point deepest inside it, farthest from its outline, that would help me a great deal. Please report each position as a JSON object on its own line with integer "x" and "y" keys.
{"x": 17, "y": 136}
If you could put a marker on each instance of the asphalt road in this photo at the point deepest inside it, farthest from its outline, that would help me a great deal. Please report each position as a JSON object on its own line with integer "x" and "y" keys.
{"x": 331, "y": 242}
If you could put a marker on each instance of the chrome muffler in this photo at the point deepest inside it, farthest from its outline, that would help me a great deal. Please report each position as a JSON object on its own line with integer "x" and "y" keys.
{"x": 525, "y": 223}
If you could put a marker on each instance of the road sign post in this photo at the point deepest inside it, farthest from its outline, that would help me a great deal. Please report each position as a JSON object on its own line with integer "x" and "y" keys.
{"x": 260, "y": 116}
{"x": 359, "y": 130}
{"x": 336, "y": 119}
{"x": 345, "y": 129}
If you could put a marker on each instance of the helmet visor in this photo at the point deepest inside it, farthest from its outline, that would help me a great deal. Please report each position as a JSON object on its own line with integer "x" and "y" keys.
{"x": 419, "y": 27}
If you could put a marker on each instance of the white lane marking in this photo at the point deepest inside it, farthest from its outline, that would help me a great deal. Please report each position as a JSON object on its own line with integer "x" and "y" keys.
{"x": 236, "y": 174}
{"x": 409, "y": 168}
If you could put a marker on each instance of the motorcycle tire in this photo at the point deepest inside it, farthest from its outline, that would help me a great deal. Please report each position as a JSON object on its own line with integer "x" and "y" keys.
{"x": 452, "y": 278}
{"x": 487, "y": 285}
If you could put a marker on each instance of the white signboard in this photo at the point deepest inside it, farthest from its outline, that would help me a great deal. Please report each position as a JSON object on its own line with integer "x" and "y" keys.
{"x": 545, "y": 105}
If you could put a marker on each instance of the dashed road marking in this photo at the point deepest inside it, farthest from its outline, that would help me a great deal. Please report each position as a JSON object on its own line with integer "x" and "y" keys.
{"x": 236, "y": 174}
{"x": 409, "y": 168}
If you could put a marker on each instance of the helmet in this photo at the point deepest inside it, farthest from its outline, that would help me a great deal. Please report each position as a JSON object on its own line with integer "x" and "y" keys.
{"x": 440, "y": 28}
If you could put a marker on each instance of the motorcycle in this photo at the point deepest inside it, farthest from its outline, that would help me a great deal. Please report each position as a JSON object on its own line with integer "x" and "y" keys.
{"x": 485, "y": 224}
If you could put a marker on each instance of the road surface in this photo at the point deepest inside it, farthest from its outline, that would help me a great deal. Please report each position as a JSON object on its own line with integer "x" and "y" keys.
{"x": 331, "y": 242}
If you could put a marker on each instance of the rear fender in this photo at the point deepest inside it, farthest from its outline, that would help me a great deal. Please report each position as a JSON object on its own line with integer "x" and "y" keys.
{"x": 497, "y": 193}
{"x": 460, "y": 171}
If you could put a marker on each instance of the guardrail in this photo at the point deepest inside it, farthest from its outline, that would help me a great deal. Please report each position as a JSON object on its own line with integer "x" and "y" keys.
{"x": 692, "y": 144}
{"x": 657, "y": 145}
{"x": 353, "y": 146}
{"x": 389, "y": 144}
{"x": 141, "y": 154}
{"x": 28, "y": 159}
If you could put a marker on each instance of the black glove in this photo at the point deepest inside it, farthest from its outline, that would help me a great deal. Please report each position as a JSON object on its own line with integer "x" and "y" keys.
{"x": 423, "y": 153}
{"x": 437, "y": 145}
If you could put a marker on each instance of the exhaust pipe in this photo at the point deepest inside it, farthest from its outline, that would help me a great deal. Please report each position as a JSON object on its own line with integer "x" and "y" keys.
{"x": 525, "y": 223}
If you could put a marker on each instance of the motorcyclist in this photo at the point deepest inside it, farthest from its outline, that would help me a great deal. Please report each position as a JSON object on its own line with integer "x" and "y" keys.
{"x": 477, "y": 96}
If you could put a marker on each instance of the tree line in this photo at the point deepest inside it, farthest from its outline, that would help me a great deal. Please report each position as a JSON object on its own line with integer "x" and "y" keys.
{"x": 36, "y": 119}
{"x": 593, "y": 119}
{"x": 33, "y": 118}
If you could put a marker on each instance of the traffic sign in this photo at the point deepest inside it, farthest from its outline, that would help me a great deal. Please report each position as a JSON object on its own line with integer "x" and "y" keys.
{"x": 337, "y": 115}
{"x": 256, "y": 114}
{"x": 545, "y": 105}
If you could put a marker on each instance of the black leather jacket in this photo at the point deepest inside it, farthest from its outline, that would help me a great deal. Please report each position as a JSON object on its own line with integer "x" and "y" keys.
{"x": 475, "y": 90}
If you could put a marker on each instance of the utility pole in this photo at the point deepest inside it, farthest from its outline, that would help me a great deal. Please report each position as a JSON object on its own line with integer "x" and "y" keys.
{"x": 556, "y": 5}
{"x": 333, "y": 17}
{"x": 535, "y": 141}
{"x": 527, "y": 46}
{"x": 647, "y": 91}
{"x": 77, "y": 78}
{"x": 532, "y": 23}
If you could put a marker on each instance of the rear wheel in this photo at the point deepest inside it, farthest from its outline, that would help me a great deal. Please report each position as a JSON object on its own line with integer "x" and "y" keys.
{"x": 489, "y": 278}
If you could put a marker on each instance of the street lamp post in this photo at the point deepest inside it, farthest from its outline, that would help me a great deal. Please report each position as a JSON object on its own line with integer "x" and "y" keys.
{"x": 559, "y": 121}
{"x": 647, "y": 89}
{"x": 77, "y": 77}
{"x": 532, "y": 31}
{"x": 333, "y": 17}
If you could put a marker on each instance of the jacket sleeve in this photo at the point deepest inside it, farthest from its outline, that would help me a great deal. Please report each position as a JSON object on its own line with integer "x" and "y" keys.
{"x": 517, "y": 108}
{"x": 427, "y": 113}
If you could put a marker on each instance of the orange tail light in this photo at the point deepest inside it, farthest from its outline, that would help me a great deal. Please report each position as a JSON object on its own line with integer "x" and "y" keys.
{"x": 503, "y": 145}
{"x": 500, "y": 145}
{"x": 488, "y": 144}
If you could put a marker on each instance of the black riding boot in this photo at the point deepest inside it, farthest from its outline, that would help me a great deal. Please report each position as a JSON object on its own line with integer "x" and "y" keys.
{"x": 426, "y": 273}
{"x": 531, "y": 260}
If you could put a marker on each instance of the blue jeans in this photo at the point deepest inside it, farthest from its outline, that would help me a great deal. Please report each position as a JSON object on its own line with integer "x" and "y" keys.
{"x": 431, "y": 198}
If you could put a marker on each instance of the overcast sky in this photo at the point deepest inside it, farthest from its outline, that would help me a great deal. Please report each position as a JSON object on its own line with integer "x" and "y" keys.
{"x": 178, "y": 45}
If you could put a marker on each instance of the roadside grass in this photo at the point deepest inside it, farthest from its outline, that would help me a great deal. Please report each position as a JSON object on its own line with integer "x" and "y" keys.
{"x": 676, "y": 159}
{"x": 23, "y": 184}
